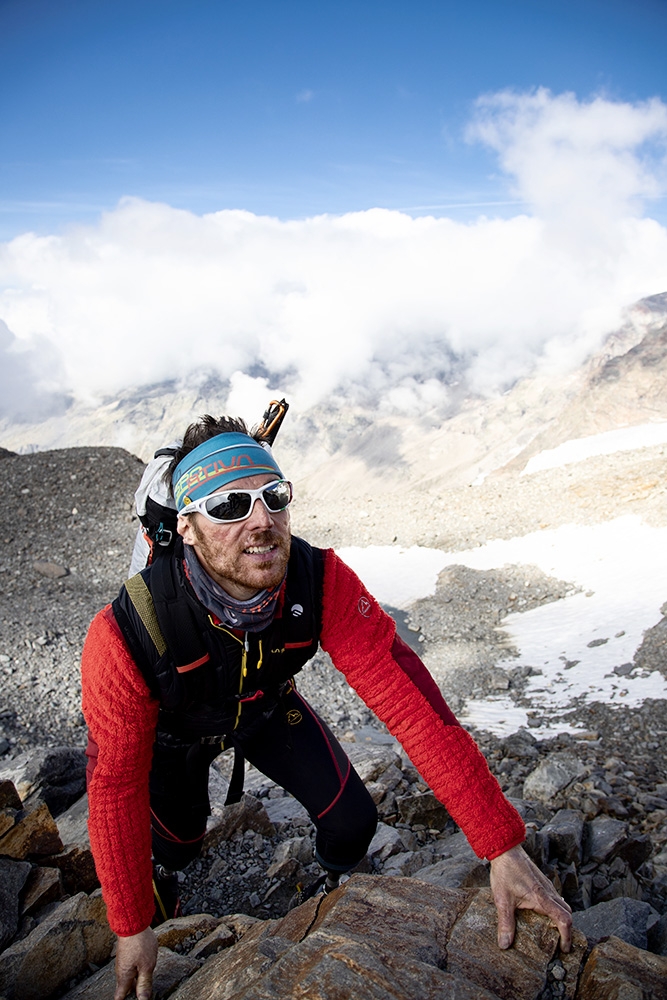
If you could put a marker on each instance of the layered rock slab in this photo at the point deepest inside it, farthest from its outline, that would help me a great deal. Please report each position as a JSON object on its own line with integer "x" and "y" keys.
{"x": 383, "y": 939}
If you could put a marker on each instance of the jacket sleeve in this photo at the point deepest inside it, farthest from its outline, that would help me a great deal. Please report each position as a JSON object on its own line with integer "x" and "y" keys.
{"x": 121, "y": 717}
{"x": 361, "y": 640}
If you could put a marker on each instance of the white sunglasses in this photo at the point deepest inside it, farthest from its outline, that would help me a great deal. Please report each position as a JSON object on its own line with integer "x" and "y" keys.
{"x": 237, "y": 505}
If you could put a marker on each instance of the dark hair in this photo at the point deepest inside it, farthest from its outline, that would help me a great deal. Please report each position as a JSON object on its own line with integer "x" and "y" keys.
{"x": 201, "y": 430}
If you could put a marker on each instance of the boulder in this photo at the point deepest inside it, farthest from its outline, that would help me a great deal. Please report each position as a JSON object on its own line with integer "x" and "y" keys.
{"x": 77, "y": 867}
{"x": 9, "y": 797}
{"x": 220, "y": 937}
{"x": 627, "y": 919}
{"x": 248, "y": 814}
{"x": 455, "y": 873}
{"x": 551, "y": 776}
{"x": 44, "y": 885}
{"x": 285, "y": 812}
{"x": 57, "y": 949}
{"x": 657, "y": 936}
{"x": 616, "y": 970}
{"x": 370, "y": 760}
{"x": 299, "y": 848}
{"x": 387, "y": 841}
{"x": 13, "y": 877}
{"x": 55, "y": 775}
{"x": 179, "y": 929}
{"x": 563, "y": 836}
{"x": 34, "y": 832}
{"x": 73, "y": 823}
{"x": 603, "y": 838}
{"x": 636, "y": 850}
{"x": 407, "y": 863}
{"x": 422, "y": 808}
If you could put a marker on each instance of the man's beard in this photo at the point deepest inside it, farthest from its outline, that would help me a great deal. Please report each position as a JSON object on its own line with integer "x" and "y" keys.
{"x": 223, "y": 563}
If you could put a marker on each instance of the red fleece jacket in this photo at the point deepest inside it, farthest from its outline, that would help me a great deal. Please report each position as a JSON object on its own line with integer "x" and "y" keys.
{"x": 391, "y": 679}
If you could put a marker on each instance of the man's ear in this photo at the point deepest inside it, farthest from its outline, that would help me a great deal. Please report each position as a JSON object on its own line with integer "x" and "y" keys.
{"x": 185, "y": 528}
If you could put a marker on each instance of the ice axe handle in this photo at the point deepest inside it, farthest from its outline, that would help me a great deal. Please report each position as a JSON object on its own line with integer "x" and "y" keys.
{"x": 271, "y": 421}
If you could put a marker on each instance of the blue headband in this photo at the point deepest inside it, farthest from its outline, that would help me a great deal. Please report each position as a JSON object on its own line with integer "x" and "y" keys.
{"x": 219, "y": 461}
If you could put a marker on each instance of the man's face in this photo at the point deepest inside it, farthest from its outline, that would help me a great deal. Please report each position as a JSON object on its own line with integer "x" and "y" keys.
{"x": 243, "y": 557}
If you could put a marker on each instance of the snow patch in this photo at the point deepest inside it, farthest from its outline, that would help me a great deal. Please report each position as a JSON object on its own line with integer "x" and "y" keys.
{"x": 395, "y": 575}
{"x": 607, "y": 443}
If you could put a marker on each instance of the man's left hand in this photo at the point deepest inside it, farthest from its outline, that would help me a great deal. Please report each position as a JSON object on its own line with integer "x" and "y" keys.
{"x": 517, "y": 883}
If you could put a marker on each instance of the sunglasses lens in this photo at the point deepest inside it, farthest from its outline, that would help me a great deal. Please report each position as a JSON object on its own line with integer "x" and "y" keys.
{"x": 228, "y": 506}
{"x": 278, "y": 496}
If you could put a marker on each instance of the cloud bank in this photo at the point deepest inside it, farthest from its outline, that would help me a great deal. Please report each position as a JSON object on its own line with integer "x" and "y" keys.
{"x": 374, "y": 303}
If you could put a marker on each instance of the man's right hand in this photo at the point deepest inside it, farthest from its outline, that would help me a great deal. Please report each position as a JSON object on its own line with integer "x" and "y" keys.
{"x": 135, "y": 960}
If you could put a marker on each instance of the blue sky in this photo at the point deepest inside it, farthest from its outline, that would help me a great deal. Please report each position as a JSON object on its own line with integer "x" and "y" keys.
{"x": 289, "y": 108}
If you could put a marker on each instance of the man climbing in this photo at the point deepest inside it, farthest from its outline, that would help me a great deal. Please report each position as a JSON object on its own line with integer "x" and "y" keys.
{"x": 199, "y": 652}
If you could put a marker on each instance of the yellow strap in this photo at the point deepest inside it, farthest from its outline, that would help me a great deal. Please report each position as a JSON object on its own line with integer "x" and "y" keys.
{"x": 140, "y": 596}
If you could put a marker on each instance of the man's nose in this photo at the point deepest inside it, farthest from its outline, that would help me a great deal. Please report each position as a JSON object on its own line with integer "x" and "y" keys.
{"x": 260, "y": 516}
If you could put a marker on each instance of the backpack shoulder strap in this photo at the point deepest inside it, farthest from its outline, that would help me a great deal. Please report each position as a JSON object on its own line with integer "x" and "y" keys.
{"x": 177, "y": 622}
{"x": 142, "y": 600}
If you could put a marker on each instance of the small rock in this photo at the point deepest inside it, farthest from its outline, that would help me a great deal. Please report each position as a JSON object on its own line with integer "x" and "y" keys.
{"x": 636, "y": 850}
{"x": 285, "y": 812}
{"x": 9, "y": 797}
{"x": 77, "y": 867}
{"x": 54, "y": 571}
{"x": 627, "y": 919}
{"x": 283, "y": 869}
{"x": 406, "y": 863}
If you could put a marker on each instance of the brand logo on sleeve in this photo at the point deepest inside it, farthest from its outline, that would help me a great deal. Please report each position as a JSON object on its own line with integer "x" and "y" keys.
{"x": 364, "y": 607}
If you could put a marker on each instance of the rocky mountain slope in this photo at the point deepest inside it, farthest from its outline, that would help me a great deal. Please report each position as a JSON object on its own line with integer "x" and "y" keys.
{"x": 341, "y": 445}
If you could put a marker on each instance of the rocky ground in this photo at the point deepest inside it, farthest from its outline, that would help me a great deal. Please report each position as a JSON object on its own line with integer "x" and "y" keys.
{"x": 65, "y": 551}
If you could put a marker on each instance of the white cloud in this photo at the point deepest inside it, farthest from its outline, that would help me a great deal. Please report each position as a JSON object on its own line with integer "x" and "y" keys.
{"x": 375, "y": 300}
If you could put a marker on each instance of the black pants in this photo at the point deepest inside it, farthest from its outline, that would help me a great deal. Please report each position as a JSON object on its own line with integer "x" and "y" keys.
{"x": 294, "y": 748}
